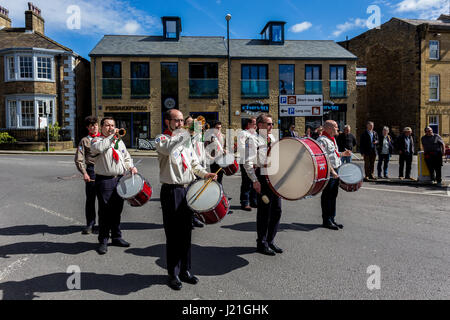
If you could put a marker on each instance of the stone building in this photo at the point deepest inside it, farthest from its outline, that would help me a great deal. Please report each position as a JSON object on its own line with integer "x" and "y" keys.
{"x": 408, "y": 75}
{"x": 39, "y": 75}
{"x": 137, "y": 78}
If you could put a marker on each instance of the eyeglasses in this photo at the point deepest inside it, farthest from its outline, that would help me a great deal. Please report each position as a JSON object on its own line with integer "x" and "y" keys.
{"x": 177, "y": 120}
{"x": 269, "y": 123}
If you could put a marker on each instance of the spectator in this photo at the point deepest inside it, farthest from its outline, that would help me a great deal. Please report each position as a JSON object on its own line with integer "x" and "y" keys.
{"x": 292, "y": 133}
{"x": 368, "y": 147}
{"x": 346, "y": 141}
{"x": 308, "y": 132}
{"x": 405, "y": 147}
{"x": 433, "y": 147}
{"x": 317, "y": 133}
{"x": 385, "y": 149}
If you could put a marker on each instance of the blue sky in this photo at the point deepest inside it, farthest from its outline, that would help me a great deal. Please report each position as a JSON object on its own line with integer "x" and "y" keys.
{"x": 312, "y": 19}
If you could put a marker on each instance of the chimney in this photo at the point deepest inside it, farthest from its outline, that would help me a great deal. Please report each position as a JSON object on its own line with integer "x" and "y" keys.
{"x": 5, "y": 22}
{"x": 33, "y": 20}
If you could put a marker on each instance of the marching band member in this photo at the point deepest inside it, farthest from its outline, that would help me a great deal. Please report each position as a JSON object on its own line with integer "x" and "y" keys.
{"x": 329, "y": 194}
{"x": 218, "y": 149}
{"x": 268, "y": 214}
{"x": 111, "y": 164}
{"x": 248, "y": 195}
{"x": 178, "y": 168}
{"x": 84, "y": 162}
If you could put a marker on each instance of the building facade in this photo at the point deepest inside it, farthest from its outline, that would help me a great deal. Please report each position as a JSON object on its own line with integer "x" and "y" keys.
{"x": 137, "y": 78}
{"x": 39, "y": 76}
{"x": 408, "y": 77}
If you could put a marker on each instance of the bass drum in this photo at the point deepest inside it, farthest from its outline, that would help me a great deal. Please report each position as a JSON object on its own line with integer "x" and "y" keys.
{"x": 297, "y": 168}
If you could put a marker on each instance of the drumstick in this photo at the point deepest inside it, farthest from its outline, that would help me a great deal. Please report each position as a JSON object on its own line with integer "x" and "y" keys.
{"x": 205, "y": 185}
{"x": 354, "y": 155}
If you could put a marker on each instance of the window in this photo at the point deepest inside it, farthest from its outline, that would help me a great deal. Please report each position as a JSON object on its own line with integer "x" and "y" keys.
{"x": 169, "y": 86}
{"x": 12, "y": 112}
{"x": 140, "y": 80}
{"x": 112, "y": 80}
{"x": 255, "y": 82}
{"x": 27, "y": 113}
{"x": 11, "y": 68}
{"x": 434, "y": 49}
{"x": 434, "y": 87}
{"x": 277, "y": 33}
{"x": 313, "y": 79}
{"x": 44, "y": 68}
{"x": 26, "y": 67}
{"x": 171, "y": 29}
{"x": 338, "y": 82}
{"x": 203, "y": 80}
{"x": 287, "y": 74}
{"x": 433, "y": 123}
{"x": 43, "y": 107}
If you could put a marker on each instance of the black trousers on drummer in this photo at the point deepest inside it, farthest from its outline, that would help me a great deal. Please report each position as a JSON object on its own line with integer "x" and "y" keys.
{"x": 110, "y": 208}
{"x": 328, "y": 200}
{"x": 267, "y": 215}
{"x": 214, "y": 167}
{"x": 177, "y": 220}
{"x": 91, "y": 195}
{"x": 248, "y": 194}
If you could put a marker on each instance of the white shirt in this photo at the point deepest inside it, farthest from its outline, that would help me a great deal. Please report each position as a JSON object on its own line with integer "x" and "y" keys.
{"x": 330, "y": 149}
{"x": 257, "y": 158}
{"x": 105, "y": 164}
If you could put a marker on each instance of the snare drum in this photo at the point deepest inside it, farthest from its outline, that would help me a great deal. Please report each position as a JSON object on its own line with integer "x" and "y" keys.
{"x": 228, "y": 163}
{"x": 212, "y": 205}
{"x": 297, "y": 168}
{"x": 350, "y": 177}
{"x": 135, "y": 189}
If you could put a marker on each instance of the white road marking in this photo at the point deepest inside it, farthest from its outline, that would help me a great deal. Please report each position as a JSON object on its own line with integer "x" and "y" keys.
{"x": 409, "y": 192}
{"x": 12, "y": 267}
{"x": 54, "y": 213}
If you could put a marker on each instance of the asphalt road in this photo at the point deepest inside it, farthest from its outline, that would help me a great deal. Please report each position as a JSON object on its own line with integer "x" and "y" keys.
{"x": 402, "y": 230}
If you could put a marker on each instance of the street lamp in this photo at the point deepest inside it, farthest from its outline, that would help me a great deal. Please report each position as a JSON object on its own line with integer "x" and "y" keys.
{"x": 228, "y": 18}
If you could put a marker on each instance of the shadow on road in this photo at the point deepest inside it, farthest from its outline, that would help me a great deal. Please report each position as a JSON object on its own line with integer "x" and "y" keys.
{"x": 206, "y": 261}
{"x": 251, "y": 226}
{"x": 28, "y": 230}
{"x": 57, "y": 282}
{"x": 43, "y": 247}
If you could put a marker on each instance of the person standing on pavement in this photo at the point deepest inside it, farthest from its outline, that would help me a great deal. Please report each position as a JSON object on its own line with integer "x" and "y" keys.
{"x": 84, "y": 161}
{"x": 292, "y": 133}
{"x": 385, "y": 149}
{"x": 346, "y": 141}
{"x": 111, "y": 163}
{"x": 368, "y": 148}
{"x": 405, "y": 147}
{"x": 433, "y": 147}
{"x": 248, "y": 195}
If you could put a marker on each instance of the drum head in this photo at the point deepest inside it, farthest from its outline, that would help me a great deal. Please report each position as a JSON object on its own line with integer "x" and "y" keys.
{"x": 209, "y": 198}
{"x": 350, "y": 173}
{"x": 225, "y": 160}
{"x": 290, "y": 169}
{"x": 130, "y": 185}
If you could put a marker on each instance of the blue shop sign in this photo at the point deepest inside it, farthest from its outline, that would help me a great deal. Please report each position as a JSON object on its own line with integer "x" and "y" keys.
{"x": 336, "y": 107}
{"x": 255, "y": 108}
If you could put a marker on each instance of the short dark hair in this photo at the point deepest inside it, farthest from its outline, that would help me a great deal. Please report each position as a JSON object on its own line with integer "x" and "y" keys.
{"x": 90, "y": 120}
{"x": 106, "y": 118}
{"x": 217, "y": 123}
{"x": 246, "y": 122}
{"x": 262, "y": 117}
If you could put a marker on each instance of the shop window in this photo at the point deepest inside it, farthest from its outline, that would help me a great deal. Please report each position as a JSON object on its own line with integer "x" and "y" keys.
{"x": 140, "y": 80}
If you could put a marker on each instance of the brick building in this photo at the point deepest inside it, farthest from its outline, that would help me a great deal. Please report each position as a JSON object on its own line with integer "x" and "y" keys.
{"x": 137, "y": 78}
{"x": 408, "y": 75}
{"x": 39, "y": 74}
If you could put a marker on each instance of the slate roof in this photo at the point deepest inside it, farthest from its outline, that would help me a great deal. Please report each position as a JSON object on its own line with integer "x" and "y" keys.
{"x": 18, "y": 38}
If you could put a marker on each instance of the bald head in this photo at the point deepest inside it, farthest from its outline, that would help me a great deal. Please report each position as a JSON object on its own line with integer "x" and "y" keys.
{"x": 331, "y": 127}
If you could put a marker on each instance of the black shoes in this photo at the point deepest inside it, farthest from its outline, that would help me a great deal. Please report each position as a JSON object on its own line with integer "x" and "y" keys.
{"x": 330, "y": 225}
{"x": 197, "y": 223}
{"x": 175, "y": 283}
{"x": 87, "y": 230}
{"x": 340, "y": 226}
{"x": 246, "y": 208}
{"x": 119, "y": 242}
{"x": 188, "y": 277}
{"x": 275, "y": 248}
{"x": 103, "y": 248}
{"x": 265, "y": 250}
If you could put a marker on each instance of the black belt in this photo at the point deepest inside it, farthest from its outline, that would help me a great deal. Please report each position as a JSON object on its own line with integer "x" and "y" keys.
{"x": 99, "y": 176}
{"x": 176, "y": 185}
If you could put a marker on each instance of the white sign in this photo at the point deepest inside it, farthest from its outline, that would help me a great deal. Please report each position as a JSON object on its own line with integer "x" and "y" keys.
{"x": 301, "y": 100}
{"x": 42, "y": 122}
{"x": 361, "y": 76}
{"x": 301, "y": 111}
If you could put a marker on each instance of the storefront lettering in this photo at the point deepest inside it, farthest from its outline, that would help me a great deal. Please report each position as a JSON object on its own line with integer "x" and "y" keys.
{"x": 126, "y": 108}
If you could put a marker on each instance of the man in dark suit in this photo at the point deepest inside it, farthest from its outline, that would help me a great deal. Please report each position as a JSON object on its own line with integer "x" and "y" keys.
{"x": 405, "y": 147}
{"x": 368, "y": 148}
{"x": 292, "y": 133}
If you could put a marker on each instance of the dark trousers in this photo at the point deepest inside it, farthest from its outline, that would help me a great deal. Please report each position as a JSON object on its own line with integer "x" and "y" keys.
{"x": 408, "y": 159}
{"x": 383, "y": 158}
{"x": 268, "y": 215}
{"x": 91, "y": 195}
{"x": 369, "y": 164}
{"x": 434, "y": 164}
{"x": 110, "y": 208}
{"x": 177, "y": 220}
{"x": 328, "y": 200}
{"x": 248, "y": 194}
{"x": 214, "y": 167}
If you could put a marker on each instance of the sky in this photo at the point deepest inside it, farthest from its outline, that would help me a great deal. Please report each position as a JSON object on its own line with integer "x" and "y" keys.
{"x": 81, "y": 24}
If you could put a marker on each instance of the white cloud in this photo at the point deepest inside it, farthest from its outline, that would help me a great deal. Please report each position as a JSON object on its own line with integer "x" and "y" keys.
{"x": 300, "y": 27}
{"x": 349, "y": 25}
{"x": 97, "y": 17}
{"x": 426, "y": 9}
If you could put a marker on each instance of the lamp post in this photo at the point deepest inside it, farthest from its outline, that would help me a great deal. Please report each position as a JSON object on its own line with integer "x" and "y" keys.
{"x": 228, "y": 18}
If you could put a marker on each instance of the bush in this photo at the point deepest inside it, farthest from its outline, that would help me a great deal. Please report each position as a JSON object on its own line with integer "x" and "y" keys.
{"x": 54, "y": 131}
{"x": 6, "y": 138}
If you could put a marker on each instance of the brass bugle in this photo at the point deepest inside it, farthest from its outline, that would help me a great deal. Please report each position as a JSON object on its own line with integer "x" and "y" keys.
{"x": 122, "y": 132}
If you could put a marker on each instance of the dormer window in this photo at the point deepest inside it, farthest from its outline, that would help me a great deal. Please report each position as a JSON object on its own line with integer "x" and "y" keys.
{"x": 171, "y": 28}
{"x": 273, "y": 32}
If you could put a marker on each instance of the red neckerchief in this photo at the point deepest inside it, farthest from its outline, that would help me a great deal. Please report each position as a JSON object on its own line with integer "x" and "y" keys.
{"x": 115, "y": 155}
{"x": 95, "y": 135}
{"x": 169, "y": 133}
{"x": 334, "y": 141}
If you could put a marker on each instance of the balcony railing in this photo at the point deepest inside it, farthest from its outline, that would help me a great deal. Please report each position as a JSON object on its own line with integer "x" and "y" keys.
{"x": 203, "y": 88}
{"x": 111, "y": 88}
{"x": 254, "y": 88}
{"x": 338, "y": 88}
{"x": 313, "y": 86}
